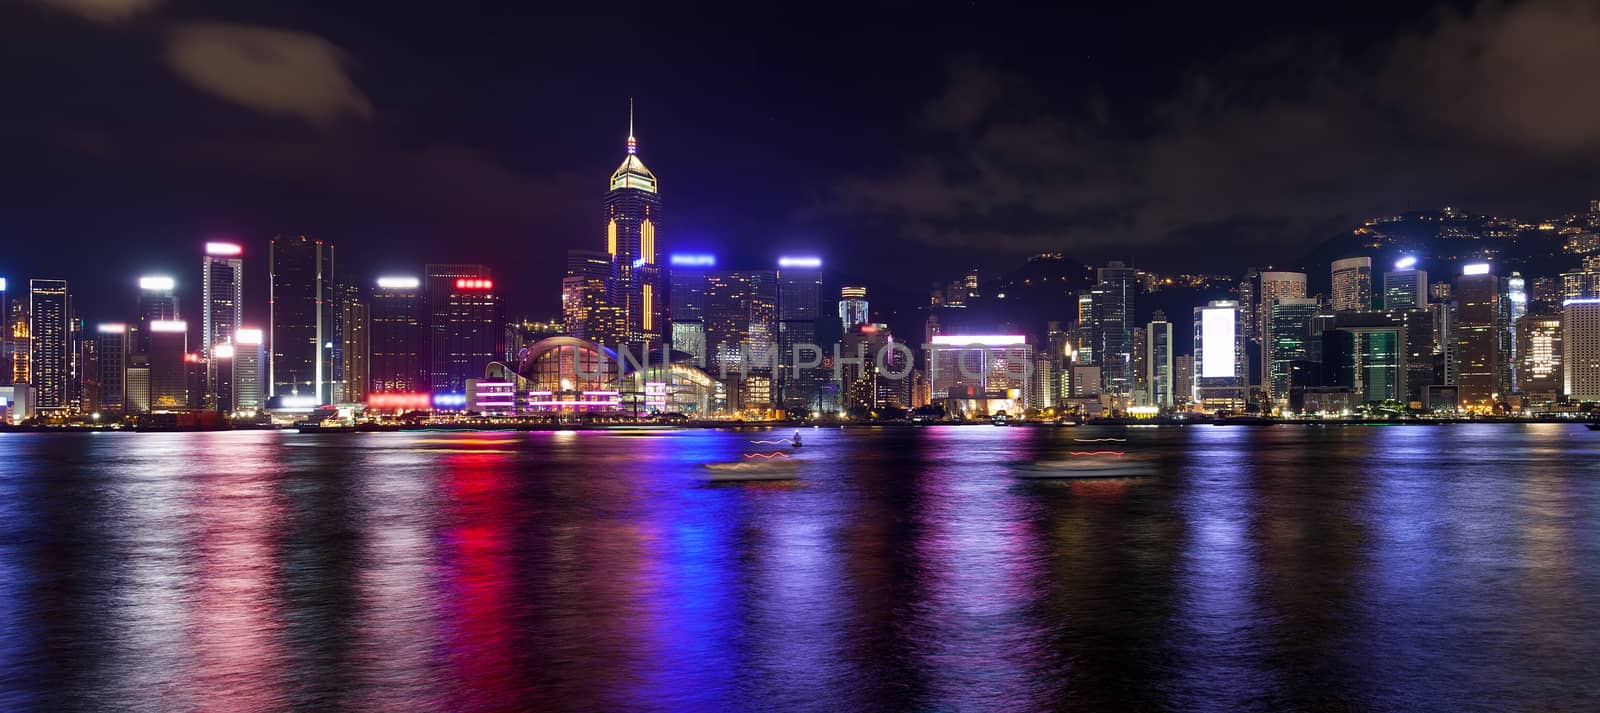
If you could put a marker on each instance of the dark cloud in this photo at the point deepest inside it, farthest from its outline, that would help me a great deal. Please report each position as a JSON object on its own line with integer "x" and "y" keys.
{"x": 1266, "y": 149}
{"x": 274, "y": 71}
{"x": 102, "y": 10}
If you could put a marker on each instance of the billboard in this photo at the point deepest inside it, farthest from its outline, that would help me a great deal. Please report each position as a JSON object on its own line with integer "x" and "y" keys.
{"x": 1216, "y": 335}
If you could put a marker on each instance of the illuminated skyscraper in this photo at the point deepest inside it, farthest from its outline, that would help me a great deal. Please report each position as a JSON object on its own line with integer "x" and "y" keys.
{"x": 1405, "y": 287}
{"x": 1482, "y": 334}
{"x": 687, "y": 303}
{"x": 1158, "y": 361}
{"x": 168, "y": 370}
{"x": 1288, "y": 336}
{"x": 1221, "y": 381}
{"x": 221, "y": 307}
{"x": 351, "y": 344}
{"x": 1276, "y": 285}
{"x": 49, "y": 314}
{"x": 799, "y": 308}
{"x": 1580, "y": 347}
{"x": 157, "y": 300}
{"x": 300, "y": 320}
{"x": 5, "y": 337}
{"x": 633, "y": 217}
{"x": 1539, "y": 356}
{"x": 397, "y": 336}
{"x": 249, "y": 355}
{"x": 853, "y": 307}
{"x": 1352, "y": 284}
{"x": 588, "y": 310}
{"x": 111, "y": 367}
{"x": 741, "y": 334}
{"x": 465, "y": 325}
{"x": 1114, "y": 311}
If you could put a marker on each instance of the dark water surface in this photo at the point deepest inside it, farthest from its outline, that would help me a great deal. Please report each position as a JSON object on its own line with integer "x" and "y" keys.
{"x": 1286, "y": 568}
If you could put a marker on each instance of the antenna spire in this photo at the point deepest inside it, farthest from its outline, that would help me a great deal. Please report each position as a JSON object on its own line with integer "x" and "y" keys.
{"x": 633, "y": 145}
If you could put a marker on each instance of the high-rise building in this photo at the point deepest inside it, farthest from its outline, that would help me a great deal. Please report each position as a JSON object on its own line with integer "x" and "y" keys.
{"x": 1221, "y": 383}
{"x": 168, "y": 366}
{"x": 853, "y": 307}
{"x": 980, "y": 366}
{"x": 633, "y": 217}
{"x": 1250, "y": 298}
{"x": 1583, "y": 282}
{"x": 860, "y": 380}
{"x": 157, "y": 301}
{"x": 221, "y": 308}
{"x": 1580, "y": 348}
{"x": 5, "y": 338}
{"x": 1405, "y": 287}
{"x": 1158, "y": 362}
{"x": 589, "y": 310}
{"x": 741, "y": 326}
{"x": 49, "y": 314}
{"x": 352, "y": 342}
{"x": 686, "y": 303}
{"x": 1087, "y": 351}
{"x": 799, "y": 308}
{"x": 396, "y": 337}
{"x": 1114, "y": 311}
{"x": 1482, "y": 336}
{"x": 300, "y": 319}
{"x": 1276, "y": 285}
{"x": 1183, "y": 378}
{"x": 111, "y": 365}
{"x": 1539, "y": 356}
{"x": 249, "y": 355}
{"x": 1288, "y": 338}
{"x": 1352, "y": 284}
{"x": 465, "y": 325}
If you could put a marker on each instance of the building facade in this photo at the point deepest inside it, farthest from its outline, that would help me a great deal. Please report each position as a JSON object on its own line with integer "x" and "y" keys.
{"x": 300, "y": 319}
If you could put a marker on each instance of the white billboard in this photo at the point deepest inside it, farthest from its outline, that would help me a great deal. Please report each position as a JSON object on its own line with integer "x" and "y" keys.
{"x": 1216, "y": 340}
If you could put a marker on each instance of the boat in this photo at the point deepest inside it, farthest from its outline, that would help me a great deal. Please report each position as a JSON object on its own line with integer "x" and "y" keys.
{"x": 796, "y": 439}
{"x": 754, "y": 468}
{"x": 1109, "y": 465}
{"x": 307, "y": 427}
{"x": 1594, "y": 426}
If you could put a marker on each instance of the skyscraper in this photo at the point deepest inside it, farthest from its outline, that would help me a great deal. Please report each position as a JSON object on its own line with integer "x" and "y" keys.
{"x": 168, "y": 370}
{"x": 1114, "y": 311}
{"x": 249, "y": 354}
{"x": 49, "y": 314}
{"x": 300, "y": 323}
{"x": 686, "y": 302}
{"x": 799, "y": 308}
{"x": 157, "y": 300}
{"x": 1539, "y": 356}
{"x": 1219, "y": 353}
{"x": 352, "y": 341}
{"x": 633, "y": 217}
{"x": 465, "y": 325}
{"x": 1276, "y": 285}
{"x": 741, "y": 334}
{"x": 1405, "y": 287}
{"x": 111, "y": 365}
{"x": 1287, "y": 340}
{"x": 222, "y": 305}
{"x": 396, "y": 338}
{"x": 1482, "y": 334}
{"x": 1158, "y": 361}
{"x": 853, "y": 307}
{"x": 1580, "y": 348}
{"x": 588, "y": 309}
{"x": 1352, "y": 284}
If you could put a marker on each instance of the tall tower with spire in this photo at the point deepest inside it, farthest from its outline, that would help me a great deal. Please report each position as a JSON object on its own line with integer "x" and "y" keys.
{"x": 632, "y": 223}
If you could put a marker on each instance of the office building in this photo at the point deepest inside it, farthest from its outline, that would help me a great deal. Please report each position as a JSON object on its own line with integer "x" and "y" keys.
{"x": 111, "y": 367}
{"x": 589, "y": 310}
{"x": 50, "y": 345}
{"x": 396, "y": 337}
{"x": 1539, "y": 357}
{"x": 1288, "y": 340}
{"x": 799, "y": 309}
{"x": 1352, "y": 285}
{"x": 1183, "y": 379}
{"x": 633, "y": 218}
{"x": 853, "y": 307}
{"x": 686, "y": 303}
{"x": 158, "y": 300}
{"x": 249, "y": 356}
{"x": 1405, "y": 287}
{"x": 862, "y": 385}
{"x": 1276, "y": 285}
{"x": 300, "y": 319}
{"x": 168, "y": 371}
{"x": 1086, "y": 329}
{"x": 352, "y": 345}
{"x": 1221, "y": 383}
{"x": 991, "y": 367}
{"x": 221, "y": 310}
{"x": 1249, "y": 299}
{"x": 1114, "y": 310}
{"x": 465, "y": 325}
{"x": 1159, "y": 377}
{"x": 1481, "y": 329}
{"x": 1580, "y": 348}
{"x": 741, "y": 326}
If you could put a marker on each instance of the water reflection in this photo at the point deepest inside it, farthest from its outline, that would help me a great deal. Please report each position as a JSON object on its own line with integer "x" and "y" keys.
{"x": 1263, "y": 569}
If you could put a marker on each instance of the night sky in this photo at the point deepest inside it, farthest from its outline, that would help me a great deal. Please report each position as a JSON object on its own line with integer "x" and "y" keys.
{"x": 903, "y": 142}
